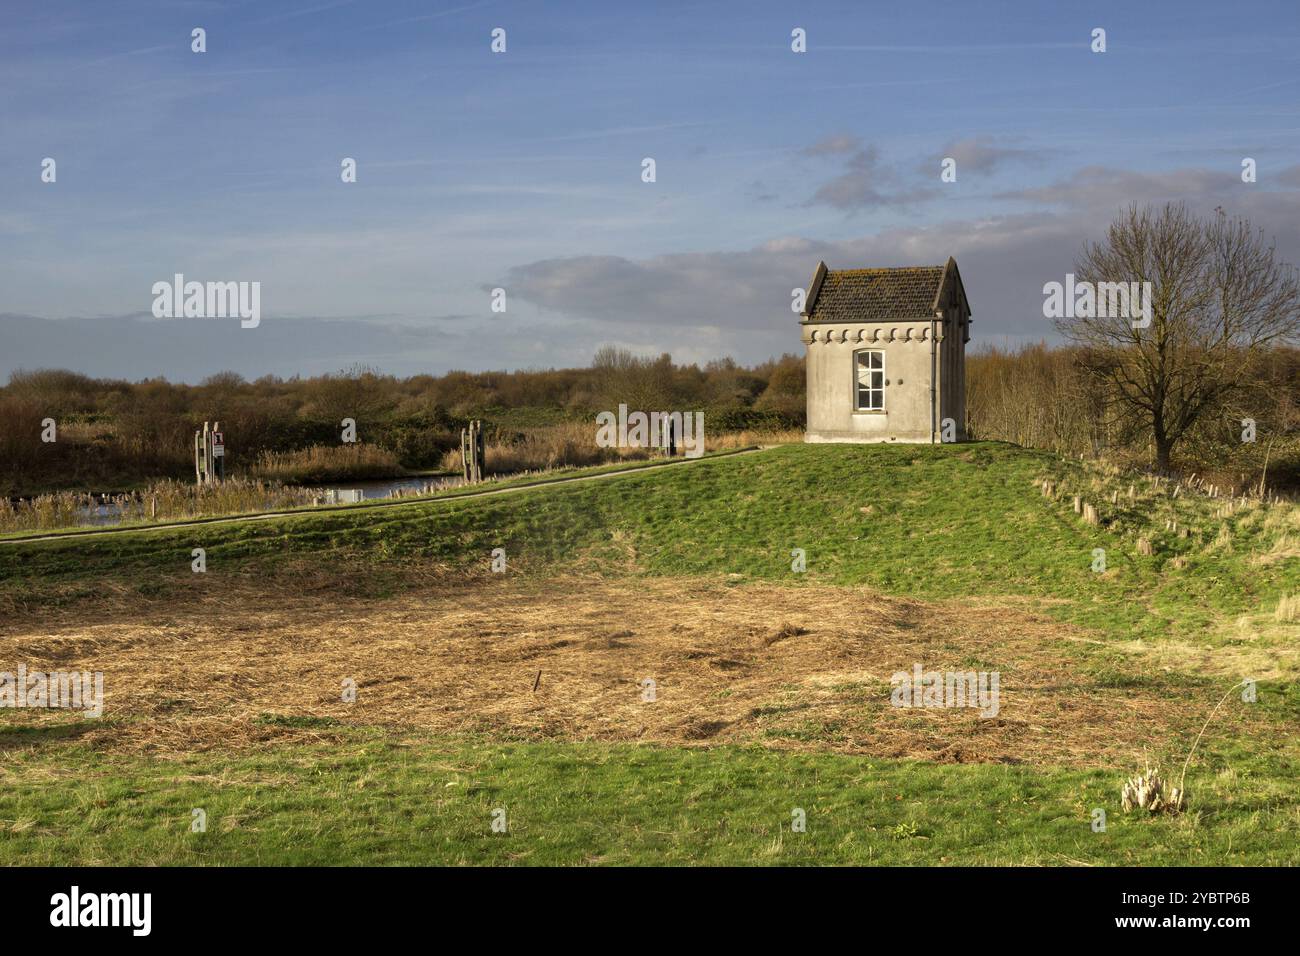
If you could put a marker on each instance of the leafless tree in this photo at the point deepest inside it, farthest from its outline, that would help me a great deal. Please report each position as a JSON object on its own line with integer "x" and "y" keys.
{"x": 1220, "y": 300}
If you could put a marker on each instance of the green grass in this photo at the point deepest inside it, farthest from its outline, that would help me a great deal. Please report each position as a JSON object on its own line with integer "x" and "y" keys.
{"x": 940, "y": 522}
{"x": 376, "y": 800}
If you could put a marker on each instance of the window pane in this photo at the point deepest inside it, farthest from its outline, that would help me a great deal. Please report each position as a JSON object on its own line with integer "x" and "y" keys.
{"x": 870, "y": 380}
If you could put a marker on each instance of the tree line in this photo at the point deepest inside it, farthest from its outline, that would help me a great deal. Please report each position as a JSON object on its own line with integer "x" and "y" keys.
{"x": 1206, "y": 380}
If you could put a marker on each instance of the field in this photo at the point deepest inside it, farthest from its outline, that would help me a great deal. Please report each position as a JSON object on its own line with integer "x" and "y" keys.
{"x": 525, "y": 691}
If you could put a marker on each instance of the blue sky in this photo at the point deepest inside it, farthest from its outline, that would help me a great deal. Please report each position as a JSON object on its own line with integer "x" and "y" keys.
{"x": 522, "y": 170}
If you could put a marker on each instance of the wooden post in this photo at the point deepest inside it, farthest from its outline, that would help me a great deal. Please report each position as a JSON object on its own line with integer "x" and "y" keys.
{"x": 480, "y": 451}
{"x": 473, "y": 452}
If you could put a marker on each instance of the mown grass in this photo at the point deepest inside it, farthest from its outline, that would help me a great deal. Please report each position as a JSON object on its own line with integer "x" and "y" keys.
{"x": 378, "y": 800}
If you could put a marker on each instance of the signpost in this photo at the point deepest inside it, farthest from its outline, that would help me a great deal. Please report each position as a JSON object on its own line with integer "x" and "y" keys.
{"x": 209, "y": 454}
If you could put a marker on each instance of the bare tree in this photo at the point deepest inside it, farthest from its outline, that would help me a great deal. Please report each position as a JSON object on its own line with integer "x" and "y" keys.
{"x": 1219, "y": 300}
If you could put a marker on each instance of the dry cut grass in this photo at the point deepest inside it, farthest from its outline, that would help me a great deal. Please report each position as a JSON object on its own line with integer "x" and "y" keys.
{"x": 239, "y": 664}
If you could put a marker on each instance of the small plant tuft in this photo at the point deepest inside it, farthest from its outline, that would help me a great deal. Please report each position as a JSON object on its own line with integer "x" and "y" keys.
{"x": 1147, "y": 791}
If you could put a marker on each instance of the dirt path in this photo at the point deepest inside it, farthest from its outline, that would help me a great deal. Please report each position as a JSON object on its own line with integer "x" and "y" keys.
{"x": 383, "y": 503}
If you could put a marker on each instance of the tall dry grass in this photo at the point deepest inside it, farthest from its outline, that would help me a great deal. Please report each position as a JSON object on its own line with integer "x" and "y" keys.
{"x": 748, "y": 439}
{"x": 324, "y": 463}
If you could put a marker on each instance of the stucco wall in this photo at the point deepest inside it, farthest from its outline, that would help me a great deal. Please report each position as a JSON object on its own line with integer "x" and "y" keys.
{"x": 831, "y": 382}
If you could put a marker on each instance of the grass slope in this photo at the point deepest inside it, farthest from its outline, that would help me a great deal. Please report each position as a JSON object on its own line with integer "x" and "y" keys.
{"x": 925, "y": 522}
{"x": 929, "y": 522}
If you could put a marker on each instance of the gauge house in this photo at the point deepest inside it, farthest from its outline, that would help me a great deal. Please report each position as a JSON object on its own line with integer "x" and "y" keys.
{"x": 886, "y": 354}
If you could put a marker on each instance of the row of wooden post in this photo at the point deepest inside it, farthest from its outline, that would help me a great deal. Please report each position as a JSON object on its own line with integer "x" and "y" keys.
{"x": 1144, "y": 545}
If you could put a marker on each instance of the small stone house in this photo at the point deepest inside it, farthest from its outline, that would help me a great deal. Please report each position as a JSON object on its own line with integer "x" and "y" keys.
{"x": 886, "y": 354}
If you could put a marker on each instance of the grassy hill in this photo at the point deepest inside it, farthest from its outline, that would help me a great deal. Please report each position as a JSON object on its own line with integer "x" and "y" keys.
{"x": 958, "y": 533}
{"x": 932, "y": 522}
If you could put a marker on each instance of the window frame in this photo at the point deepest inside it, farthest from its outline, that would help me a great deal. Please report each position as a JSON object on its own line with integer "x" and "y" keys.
{"x": 857, "y": 382}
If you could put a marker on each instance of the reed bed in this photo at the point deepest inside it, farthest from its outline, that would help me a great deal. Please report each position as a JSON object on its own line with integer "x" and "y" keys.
{"x": 327, "y": 463}
{"x": 572, "y": 444}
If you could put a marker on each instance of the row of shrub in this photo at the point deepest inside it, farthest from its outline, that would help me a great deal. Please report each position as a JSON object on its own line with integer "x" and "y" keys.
{"x": 115, "y": 435}
{"x": 387, "y": 449}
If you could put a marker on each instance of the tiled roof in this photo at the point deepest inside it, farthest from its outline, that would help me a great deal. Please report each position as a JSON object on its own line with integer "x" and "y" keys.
{"x": 868, "y": 295}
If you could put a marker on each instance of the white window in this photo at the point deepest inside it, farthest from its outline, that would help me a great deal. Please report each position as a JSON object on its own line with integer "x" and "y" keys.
{"x": 869, "y": 383}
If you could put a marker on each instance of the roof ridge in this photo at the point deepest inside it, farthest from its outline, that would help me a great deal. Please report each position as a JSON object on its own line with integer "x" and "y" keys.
{"x": 887, "y": 269}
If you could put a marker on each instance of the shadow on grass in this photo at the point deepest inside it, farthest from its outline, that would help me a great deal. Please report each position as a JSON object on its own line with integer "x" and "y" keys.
{"x": 22, "y": 738}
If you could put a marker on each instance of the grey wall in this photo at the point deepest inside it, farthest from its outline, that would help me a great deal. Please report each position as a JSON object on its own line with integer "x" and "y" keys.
{"x": 906, "y": 416}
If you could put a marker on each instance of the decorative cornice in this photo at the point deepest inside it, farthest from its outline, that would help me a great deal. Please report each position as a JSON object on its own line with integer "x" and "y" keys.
{"x": 869, "y": 335}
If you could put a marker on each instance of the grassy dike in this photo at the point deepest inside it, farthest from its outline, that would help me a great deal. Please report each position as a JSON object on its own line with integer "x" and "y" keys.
{"x": 931, "y": 523}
